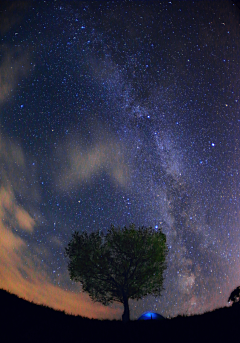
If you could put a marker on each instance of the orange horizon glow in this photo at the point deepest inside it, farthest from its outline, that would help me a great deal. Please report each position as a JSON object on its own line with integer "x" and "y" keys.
{"x": 34, "y": 285}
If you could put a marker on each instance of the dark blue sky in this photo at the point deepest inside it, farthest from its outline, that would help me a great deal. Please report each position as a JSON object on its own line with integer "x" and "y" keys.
{"x": 120, "y": 112}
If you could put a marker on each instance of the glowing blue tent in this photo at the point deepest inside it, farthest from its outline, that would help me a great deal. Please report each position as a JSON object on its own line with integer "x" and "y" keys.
{"x": 151, "y": 316}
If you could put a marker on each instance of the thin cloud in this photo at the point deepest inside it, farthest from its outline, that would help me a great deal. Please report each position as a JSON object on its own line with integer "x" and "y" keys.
{"x": 12, "y": 69}
{"x": 12, "y": 15}
{"x": 80, "y": 162}
{"x": 22, "y": 272}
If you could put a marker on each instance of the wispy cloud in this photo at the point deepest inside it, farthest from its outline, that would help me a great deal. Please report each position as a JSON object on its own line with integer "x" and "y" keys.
{"x": 78, "y": 161}
{"x": 14, "y": 65}
{"x": 12, "y": 15}
{"x": 21, "y": 270}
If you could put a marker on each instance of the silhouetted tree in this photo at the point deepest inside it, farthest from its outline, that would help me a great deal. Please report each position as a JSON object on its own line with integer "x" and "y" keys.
{"x": 235, "y": 295}
{"x": 125, "y": 264}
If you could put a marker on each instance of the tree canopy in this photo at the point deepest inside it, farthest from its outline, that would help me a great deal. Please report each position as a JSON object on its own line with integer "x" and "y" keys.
{"x": 124, "y": 264}
{"x": 235, "y": 295}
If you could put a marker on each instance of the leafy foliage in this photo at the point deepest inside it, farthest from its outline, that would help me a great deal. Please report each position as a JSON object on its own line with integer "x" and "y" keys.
{"x": 126, "y": 263}
{"x": 235, "y": 295}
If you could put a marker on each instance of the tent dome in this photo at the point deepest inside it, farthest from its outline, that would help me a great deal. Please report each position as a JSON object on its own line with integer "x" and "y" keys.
{"x": 151, "y": 315}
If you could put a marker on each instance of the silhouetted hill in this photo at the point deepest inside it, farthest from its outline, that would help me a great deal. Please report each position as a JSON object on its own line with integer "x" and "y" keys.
{"x": 23, "y": 321}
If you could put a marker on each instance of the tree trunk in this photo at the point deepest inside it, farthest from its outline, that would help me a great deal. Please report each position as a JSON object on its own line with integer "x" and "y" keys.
{"x": 126, "y": 314}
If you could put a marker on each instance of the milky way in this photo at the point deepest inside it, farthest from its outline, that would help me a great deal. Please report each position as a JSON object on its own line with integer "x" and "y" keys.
{"x": 120, "y": 112}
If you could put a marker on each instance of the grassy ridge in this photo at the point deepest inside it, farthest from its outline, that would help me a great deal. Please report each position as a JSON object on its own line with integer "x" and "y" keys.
{"x": 23, "y": 321}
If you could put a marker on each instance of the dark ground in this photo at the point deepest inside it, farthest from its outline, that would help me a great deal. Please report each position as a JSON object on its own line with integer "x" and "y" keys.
{"x": 22, "y": 321}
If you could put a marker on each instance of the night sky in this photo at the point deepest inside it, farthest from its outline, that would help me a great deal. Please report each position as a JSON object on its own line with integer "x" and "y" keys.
{"x": 120, "y": 112}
